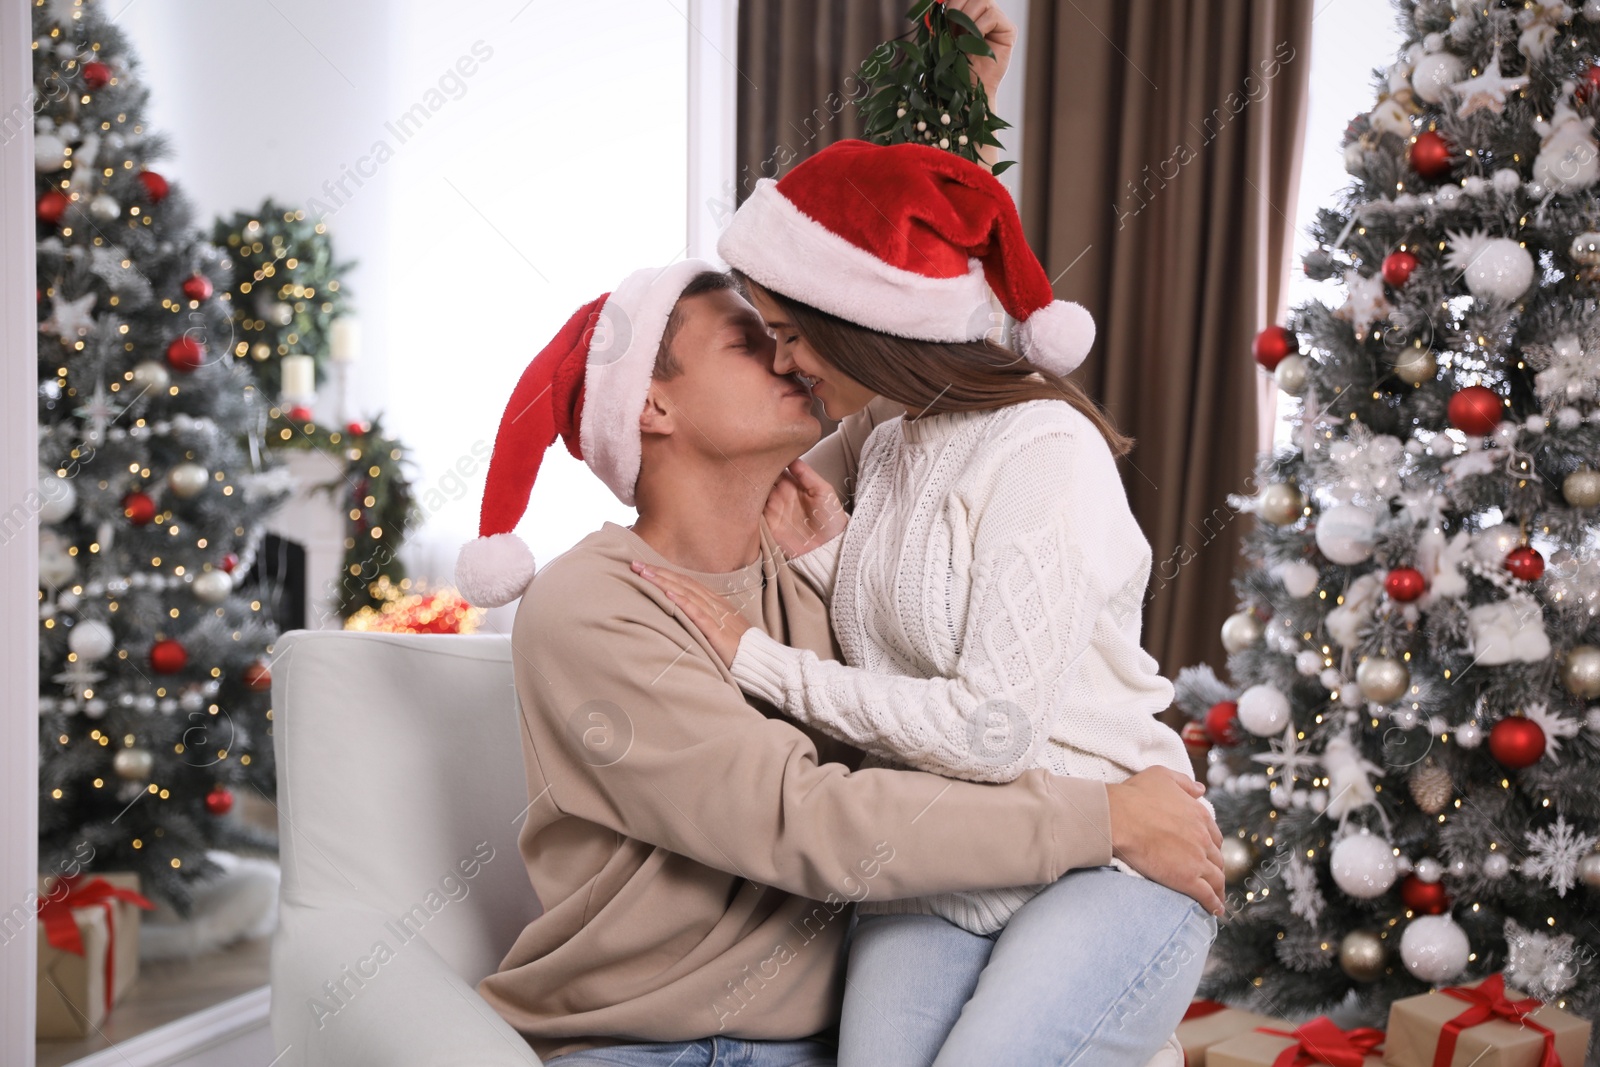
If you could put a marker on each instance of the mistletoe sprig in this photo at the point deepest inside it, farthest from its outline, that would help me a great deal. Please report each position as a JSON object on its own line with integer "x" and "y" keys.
{"x": 921, "y": 91}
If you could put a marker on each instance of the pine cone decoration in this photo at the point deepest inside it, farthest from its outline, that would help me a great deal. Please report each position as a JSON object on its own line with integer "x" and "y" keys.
{"x": 1431, "y": 787}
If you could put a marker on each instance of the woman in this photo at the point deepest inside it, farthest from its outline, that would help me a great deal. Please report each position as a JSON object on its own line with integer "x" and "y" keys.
{"x": 985, "y": 591}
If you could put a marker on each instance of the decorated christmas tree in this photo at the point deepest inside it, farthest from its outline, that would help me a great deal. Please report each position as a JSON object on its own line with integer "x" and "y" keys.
{"x": 1405, "y": 768}
{"x": 153, "y": 661}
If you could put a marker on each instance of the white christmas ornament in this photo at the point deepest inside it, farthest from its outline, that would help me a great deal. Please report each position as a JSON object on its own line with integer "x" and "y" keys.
{"x": 187, "y": 479}
{"x": 1263, "y": 710}
{"x": 1540, "y": 964}
{"x": 58, "y": 496}
{"x": 1435, "y": 73}
{"x": 57, "y": 568}
{"x": 1362, "y": 865}
{"x": 1429, "y": 870}
{"x": 1496, "y": 865}
{"x": 1569, "y": 160}
{"x": 1240, "y": 630}
{"x": 1346, "y": 533}
{"x": 1495, "y": 268}
{"x": 1554, "y": 853}
{"x": 1308, "y": 663}
{"x": 1299, "y": 578}
{"x": 49, "y": 153}
{"x": 1492, "y": 545}
{"x": 1565, "y": 374}
{"x": 1487, "y": 90}
{"x": 1390, "y": 116}
{"x": 91, "y": 639}
{"x": 1434, "y": 948}
{"x": 1291, "y": 373}
{"x": 70, "y": 320}
{"x": 1541, "y": 23}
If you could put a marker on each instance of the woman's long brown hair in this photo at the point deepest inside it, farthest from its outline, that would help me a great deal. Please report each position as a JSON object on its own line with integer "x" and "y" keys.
{"x": 934, "y": 377}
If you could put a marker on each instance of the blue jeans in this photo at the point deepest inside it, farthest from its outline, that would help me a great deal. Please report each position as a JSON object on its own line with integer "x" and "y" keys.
{"x": 1095, "y": 970}
{"x": 709, "y": 1052}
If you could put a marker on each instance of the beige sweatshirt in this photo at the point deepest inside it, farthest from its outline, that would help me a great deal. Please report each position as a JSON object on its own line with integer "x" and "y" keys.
{"x": 694, "y": 853}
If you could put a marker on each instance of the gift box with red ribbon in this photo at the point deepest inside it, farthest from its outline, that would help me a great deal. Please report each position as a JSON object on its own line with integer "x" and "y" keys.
{"x": 88, "y": 949}
{"x": 1485, "y": 1026}
{"x": 1319, "y": 1041}
{"x": 1207, "y": 1023}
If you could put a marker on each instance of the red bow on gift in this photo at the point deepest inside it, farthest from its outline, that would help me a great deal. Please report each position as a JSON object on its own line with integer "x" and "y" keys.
{"x": 1320, "y": 1041}
{"x": 55, "y": 915}
{"x": 1489, "y": 1001}
{"x": 1199, "y": 1009}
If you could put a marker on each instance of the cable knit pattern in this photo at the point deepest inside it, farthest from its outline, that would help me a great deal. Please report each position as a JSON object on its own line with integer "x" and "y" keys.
{"x": 987, "y": 597}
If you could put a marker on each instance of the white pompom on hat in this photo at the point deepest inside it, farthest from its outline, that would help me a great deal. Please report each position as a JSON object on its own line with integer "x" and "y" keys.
{"x": 587, "y": 387}
{"x": 907, "y": 239}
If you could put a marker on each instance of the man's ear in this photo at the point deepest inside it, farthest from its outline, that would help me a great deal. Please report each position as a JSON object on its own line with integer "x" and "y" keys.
{"x": 656, "y": 417}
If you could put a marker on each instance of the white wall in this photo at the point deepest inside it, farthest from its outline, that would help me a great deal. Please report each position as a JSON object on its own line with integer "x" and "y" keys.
{"x": 534, "y": 184}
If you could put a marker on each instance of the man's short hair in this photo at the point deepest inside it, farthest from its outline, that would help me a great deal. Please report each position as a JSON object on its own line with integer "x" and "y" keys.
{"x": 707, "y": 281}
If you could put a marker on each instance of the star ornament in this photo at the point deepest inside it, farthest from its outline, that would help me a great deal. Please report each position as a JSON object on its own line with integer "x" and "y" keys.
{"x": 1487, "y": 90}
{"x": 70, "y": 320}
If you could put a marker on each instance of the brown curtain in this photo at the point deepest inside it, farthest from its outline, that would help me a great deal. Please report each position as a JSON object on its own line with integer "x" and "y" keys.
{"x": 1162, "y": 142}
{"x": 797, "y": 83}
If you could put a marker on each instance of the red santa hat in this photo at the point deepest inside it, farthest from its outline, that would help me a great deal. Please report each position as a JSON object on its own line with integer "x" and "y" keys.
{"x": 907, "y": 239}
{"x": 586, "y": 387}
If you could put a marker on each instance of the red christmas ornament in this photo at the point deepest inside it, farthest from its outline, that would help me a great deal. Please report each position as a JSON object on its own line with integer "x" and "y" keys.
{"x": 138, "y": 508}
{"x": 357, "y": 428}
{"x": 1589, "y": 83}
{"x": 1272, "y": 345}
{"x": 155, "y": 186}
{"x": 197, "y": 287}
{"x": 257, "y": 676}
{"x": 1222, "y": 723}
{"x": 168, "y": 656}
{"x": 229, "y": 562}
{"x": 1405, "y": 584}
{"x": 96, "y": 75}
{"x": 299, "y": 413}
{"x": 1424, "y": 898}
{"x": 219, "y": 801}
{"x": 1397, "y": 267}
{"x": 53, "y": 203}
{"x": 1517, "y": 742}
{"x": 1194, "y": 737}
{"x": 1475, "y": 410}
{"x": 186, "y": 354}
{"x": 1430, "y": 155}
{"x": 1525, "y": 563}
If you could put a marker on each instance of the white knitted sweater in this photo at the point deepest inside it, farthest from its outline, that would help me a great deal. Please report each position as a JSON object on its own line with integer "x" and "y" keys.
{"x": 986, "y": 596}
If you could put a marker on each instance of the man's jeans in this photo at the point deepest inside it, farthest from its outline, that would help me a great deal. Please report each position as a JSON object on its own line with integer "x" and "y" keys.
{"x": 711, "y": 1052}
{"x": 1095, "y": 970}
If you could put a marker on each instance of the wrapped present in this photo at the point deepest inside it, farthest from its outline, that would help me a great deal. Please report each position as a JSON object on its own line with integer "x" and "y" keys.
{"x": 1208, "y": 1023}
{"x": 88, "y": 949}
{"x": 1319, "y": 1041}
{"x": 1484, "y": 1026}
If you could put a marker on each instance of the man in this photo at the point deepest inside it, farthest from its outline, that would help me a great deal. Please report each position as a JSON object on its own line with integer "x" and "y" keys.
{"x": 696, "y": 856}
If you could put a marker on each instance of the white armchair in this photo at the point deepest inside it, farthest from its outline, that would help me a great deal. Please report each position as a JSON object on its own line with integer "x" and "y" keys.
{"x": 400, "y": 793}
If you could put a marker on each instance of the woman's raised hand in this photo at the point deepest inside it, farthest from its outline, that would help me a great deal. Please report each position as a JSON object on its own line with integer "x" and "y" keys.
{"x": 999, "y": 32}
{"x": 802, "y": 510}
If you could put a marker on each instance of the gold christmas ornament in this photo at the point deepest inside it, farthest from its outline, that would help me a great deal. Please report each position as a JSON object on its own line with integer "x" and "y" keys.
{"x": 1241, "y": 630}
{"x": 1431, "y": 787}
{"x": 1581, "y": 672}
{"x": 1589, "y": 870}
{"x": 1382, "y": 679}
{"x": 1291, "y": 374}
{"x": 134, "y": 764}
{"x": 1581, "y": 488}
{"x": 1361, "y": 955}
{"x": 1237, "y": 859}
{"x": 1415, "y": 366}
{"x": 1281, "y": 503}
{"x": 1585, "y": 249}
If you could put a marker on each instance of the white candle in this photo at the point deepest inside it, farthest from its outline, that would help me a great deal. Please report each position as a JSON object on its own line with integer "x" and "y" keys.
{"x": 299, "y": 377}
{"x": 344, "y": 341}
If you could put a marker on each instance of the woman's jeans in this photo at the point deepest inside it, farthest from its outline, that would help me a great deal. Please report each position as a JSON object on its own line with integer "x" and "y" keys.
{"x": 709, "y": 1052}
{"x": 1095, "y": 970}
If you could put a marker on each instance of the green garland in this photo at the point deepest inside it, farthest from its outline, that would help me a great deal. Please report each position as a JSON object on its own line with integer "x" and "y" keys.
{"x": 286, "y": 290}
{"x": 376, "y": 493}
{"x": 922, "y": 91}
